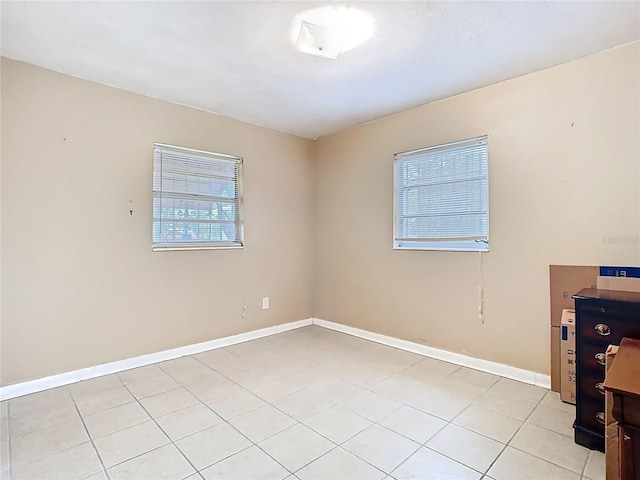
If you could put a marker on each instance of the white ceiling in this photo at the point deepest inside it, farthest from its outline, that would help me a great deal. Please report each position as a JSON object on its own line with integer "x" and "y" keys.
{"x": 235, "y": 58}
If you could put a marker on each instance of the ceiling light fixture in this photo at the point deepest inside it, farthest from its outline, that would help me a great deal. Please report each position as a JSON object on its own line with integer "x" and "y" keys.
{"x": 330, "y": 30}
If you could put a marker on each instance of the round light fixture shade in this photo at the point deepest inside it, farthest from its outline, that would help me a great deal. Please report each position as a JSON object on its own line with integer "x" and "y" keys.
{"x": 329, "y": 30}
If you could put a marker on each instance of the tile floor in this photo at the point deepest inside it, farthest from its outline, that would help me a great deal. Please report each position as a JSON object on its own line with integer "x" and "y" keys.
{"x": 308, "y": 404}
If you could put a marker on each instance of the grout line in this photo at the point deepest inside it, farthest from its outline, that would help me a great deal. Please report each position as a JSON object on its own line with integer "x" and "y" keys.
{"x": 366, "y": 386}
{"x": 224, "y": 420}
{"x": 9, "y": 435}
{"x": 104, "y": 470}
{"x": 171, "y": 442}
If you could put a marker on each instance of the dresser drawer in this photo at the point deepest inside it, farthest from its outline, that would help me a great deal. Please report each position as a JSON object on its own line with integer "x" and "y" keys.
{"x": 591, "y": 415}
{"x": 591, "y": 386}
{"x": 606, "y": 329}
{"x": 590, "y": 360}
{"x": 610, "y": 310}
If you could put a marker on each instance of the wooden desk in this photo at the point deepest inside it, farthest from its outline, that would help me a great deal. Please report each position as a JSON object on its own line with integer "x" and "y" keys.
{"x": 623, "y": 380}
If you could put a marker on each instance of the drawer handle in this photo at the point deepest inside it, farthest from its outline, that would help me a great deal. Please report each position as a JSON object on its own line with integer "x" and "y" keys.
{"x": 601, "y": 358}
{"x": 600, "y": 388}
{"x": 603, "y": 329}
{"x": 600, "y": 417}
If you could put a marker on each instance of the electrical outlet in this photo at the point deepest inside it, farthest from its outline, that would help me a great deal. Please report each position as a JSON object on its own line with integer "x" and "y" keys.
{"x": 265, "y": 303}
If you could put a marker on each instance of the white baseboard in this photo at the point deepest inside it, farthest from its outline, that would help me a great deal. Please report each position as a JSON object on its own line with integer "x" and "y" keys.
{"x": 32, "y": 386}
{"x": 526, "y": 376}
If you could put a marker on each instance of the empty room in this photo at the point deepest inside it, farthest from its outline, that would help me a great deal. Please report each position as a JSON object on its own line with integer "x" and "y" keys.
{"x": 319, "y": 240}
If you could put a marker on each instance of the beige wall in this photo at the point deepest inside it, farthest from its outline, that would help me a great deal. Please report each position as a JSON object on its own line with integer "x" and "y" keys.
{"x": 80, "y": 284}
{"x": 564, "y": 147}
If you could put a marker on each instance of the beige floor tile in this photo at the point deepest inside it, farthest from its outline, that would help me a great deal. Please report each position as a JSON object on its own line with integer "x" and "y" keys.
{"x": 515, "y": 464}
{"x": 47, "y": 441}
{"x": 188, "y": 370}
{"x": 474, "y": 377}
{"x": 339, "y": 464}
{"x": 5, "y": 458}
{"x": 47, "y": 398}
{"x": 511, "y": 388}
{"x": 165, "y": 463}
{"x": 308, "y": 377}
{"x": 337, "y": 424}
{"x": 188, "y": 421}
{"x": 371, "y": 405}
{"x": 4, "y": 429}
{"x": 231, "y": 401}
{"x": 125, "y": 444}
{"x": 275, "y": 389}
{"x": 488, "y": 423}
{"x": 246, "y": 349}
{"x": 195, "y": 476}
{"x": 218, "y": 359}
{"x": 363, "y": 374}
{"x": 97, "y": 476}
{"x": 153, "y": 386}
{"x": 554, "y": 419}
{"x": 550, "y": 446}
{"x": 466, "y": 447}
{"x": 168, "y": 402}
{"x": 426, "y": 464}
{"x": 140, "y": 373}
{"x": 114, "y": 419}
{"x": 402, "y": 358}
{"x": 96, "y": 402}
{"x": 300, "y": 372}
{"x": 208, "y": 389}
{"x": 254, "y": 376}
{"x": 303, "y": 404}
{"x": 430, "y": 368}
{"x": 212, "y": 445}
{"x": 40, "y": 418}
{"x": 412, "y": 423}
{"x": 458, "y": 388}
{"x": 381, "y": 447}
{"x": 249, "y": 464}
{"x": 296, "y": 447}
{"x": 94, "y": 385}
{"x": 336, "y": 389}
{"x": 552, "y": 399}
{"x": 402, "y": 388}
{"x": 262, "y": 423}
{"x": 73, "y": 463}
{"x": 595, "y": 469}
{"x": 515, "y": 407}
{"x": 440, "y": 404}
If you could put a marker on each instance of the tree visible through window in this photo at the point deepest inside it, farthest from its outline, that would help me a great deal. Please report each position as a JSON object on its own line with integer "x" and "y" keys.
{"x": 441, "y": 197}
{"x": 196, "y": 199}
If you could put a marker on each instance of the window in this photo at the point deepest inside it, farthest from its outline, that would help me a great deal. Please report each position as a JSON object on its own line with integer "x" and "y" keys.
{"x": 441, "y": 197}
{"x": 197, "y": 199}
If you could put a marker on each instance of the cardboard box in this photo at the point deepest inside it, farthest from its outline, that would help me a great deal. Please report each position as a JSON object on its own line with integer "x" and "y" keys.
{"x": 623, "y": 284}
{"x": 564, "y": 282}
{"x": 555, "y": 358}
{"x": 568, "y": 356}
{"x": 611, "y": 429}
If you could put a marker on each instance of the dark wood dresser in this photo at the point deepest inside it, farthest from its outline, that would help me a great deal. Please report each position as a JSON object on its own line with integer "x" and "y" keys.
{"x": 623, "y": 380}
{"x": 603, "y": 317}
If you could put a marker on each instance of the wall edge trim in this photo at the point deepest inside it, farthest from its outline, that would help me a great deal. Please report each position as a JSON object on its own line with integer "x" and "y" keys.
{"x": 507, "y": 371}
{"x": 61, "y": 379}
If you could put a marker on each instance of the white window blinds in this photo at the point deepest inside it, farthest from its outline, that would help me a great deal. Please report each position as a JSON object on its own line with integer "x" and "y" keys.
{"x": 197, "y": 201}
{"x": 442, "y": 198}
